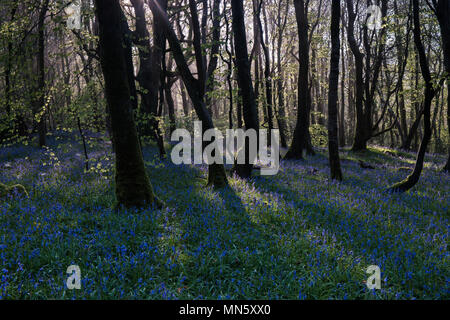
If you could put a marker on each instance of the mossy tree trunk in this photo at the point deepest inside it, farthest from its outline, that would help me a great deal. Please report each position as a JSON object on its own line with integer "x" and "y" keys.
{"x": 133, "y": 187}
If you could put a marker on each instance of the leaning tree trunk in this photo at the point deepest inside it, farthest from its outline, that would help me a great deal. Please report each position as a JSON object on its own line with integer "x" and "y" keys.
{"x": 333, "y": 145}
{"x": 302, "y": 139}
{"x": 195, "y": 87}
{"x": 133, "y": 187}
{"x": 244, "y": 81}
{"x": 429, "y": 93}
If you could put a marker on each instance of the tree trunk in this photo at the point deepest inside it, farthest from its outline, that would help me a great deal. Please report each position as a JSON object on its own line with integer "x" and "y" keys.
{"x": 302, "y": 139}
{"x": 267, "y": 76}
{"x": 195, "y": 87}
{"x": 133, "y": 187}
{"x": 365, "y": 88}
{"x": 412, "y": 134}
{"x": 443, "y": 13}
{"x": 429, "y": 93}
{"x": 280, "y": 111}
{"x": 40, "y": 107}
{"x": 215, "y": 46}
{"x": 250, "y": 113}
{"x": 149, "y": 70}
{"x": 333, "y": 145}
{"x": 8, "y": 65}
{"x": 341, "y": 113}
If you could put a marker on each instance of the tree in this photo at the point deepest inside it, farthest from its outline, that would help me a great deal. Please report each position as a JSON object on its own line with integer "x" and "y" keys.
{"x": 442, "y": 11}
{"x": 133, "y": 187}
{"x": 244, "y": 81}
{"x": 195, "y": 87}
{"x": 302, "y": 139}
{"x": 333, "y": 144}
{"x": 280, "y": 109}
{"x": 267, "y": 73}
{"x": 149, "y": 68}
{"x": 429, "y": 93}
{"x": 39, "y": 102}
{"x": 367, "y": 75}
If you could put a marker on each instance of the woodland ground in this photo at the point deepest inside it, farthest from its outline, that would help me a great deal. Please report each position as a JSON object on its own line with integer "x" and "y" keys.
{"x": 296, "y": 235}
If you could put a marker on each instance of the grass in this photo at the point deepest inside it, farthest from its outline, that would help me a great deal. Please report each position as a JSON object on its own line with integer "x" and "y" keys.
{"x": 296, "y": 235}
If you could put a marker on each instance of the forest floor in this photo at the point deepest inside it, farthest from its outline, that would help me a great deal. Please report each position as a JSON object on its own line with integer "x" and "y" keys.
{"x": 296, "y": 235}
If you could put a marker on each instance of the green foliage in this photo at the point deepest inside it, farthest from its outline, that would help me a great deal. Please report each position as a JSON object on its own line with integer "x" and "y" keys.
{"x": 319, "y": 135}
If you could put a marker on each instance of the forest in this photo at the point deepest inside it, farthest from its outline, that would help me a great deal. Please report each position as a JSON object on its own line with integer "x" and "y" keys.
{"x": 348, "y": 101}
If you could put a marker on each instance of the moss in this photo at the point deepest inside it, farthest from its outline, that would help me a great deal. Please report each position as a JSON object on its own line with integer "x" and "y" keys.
{"x": 13, "y": 190}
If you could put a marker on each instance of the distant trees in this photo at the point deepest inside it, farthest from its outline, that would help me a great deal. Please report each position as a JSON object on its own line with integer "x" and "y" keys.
{"x": 133, "y": 187}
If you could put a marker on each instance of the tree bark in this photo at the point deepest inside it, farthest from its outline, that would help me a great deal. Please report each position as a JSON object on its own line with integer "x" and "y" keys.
{"x": 133, "y": 187}
{"x": 40, "y": 107}
{"x": 341, "y": 113}
{"x": 333, "y": 145}
{"x": 267, "y": 74}
{"x": 302, "y": 140}
{"x": 250, "y": 113}
{"x": 149, "y": 69}
{"x": 443, "y": 14}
